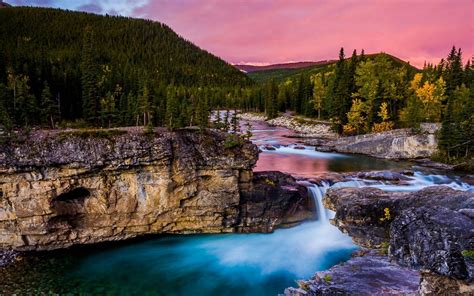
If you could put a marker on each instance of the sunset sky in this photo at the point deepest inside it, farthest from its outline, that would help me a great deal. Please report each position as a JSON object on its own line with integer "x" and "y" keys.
{"x": 273, "y": 31}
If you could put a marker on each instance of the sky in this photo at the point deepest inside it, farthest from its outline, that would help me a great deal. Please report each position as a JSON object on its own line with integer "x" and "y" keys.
{"x": 275, "y": 31}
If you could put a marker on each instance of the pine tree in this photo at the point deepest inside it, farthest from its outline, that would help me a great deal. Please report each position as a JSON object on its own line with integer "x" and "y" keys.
{"x": 27, "y": 107}
{"x": 202, "y": 114}
{"x": 271, "y": 105}
{"x": 6, "y": 121}
{"x": 49, "y": 107}
{"x": 90, "y": 101}
{"x": 235, "y": 122}
{"x": 172, "y": 109}
{"x": 144, "y": 103}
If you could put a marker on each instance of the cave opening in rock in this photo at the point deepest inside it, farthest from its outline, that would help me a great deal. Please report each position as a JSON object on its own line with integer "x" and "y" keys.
{"x": 68, "y": 208}
{"x": 76, "y": 194}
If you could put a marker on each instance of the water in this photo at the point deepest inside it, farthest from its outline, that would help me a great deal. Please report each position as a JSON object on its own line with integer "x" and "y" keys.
{"x": 226, "y": 264}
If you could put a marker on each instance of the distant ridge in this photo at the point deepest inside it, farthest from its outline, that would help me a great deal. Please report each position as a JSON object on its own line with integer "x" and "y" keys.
{"x": 295, "y": 65}
{"x": 283, "y": 71}
{"x": 3, "y": 4}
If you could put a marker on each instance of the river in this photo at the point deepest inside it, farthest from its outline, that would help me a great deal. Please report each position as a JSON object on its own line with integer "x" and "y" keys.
{"x": 219, "y": 264}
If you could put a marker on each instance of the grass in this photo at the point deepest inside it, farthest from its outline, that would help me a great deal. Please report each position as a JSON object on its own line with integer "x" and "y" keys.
{"x": 468, "y": 253}
{"x": 327, "y": 278}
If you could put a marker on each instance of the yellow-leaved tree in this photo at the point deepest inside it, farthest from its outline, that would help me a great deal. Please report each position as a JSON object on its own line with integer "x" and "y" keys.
{"x": 356, "y": 118}
{"x": 386, "y": 124}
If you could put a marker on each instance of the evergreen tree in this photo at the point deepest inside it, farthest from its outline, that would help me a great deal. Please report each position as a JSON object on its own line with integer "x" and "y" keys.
{"x": 271, "y": 102}
{"x": 90, "y": 102}
{"x": 6, "y": 121}
{"x": 143, "y": 103}
{"x": 235, "y": 122}
{"x": 172, "y": 110}
{"x": 49, "y": 107}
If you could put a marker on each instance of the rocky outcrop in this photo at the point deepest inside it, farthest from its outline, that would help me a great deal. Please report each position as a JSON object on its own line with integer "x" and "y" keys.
{"x": 367, "y": 273}
{"x": 430, "y": 229}
{"x": 289, "y": 204}
{"x": 396, "y": 144}
{"x": 58, "y": 189}
{"x": 304, "y": 127}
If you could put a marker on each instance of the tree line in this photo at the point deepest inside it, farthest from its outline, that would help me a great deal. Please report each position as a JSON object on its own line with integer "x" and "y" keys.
{"x": 63, "y": 66}
{"x": 376, "y": 93}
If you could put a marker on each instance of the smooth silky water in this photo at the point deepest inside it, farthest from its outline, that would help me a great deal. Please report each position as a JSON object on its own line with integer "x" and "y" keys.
{"x": 221, "y": 264}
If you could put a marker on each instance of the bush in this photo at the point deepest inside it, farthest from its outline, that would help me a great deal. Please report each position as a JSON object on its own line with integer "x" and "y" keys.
{"x": 382, "y": 127}
{"x": 349, "y": 130}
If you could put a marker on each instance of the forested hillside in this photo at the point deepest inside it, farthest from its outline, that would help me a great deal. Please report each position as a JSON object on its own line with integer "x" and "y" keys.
{"x": 377, "y": 93}
{"x": 282, "y": 73}
{"x": 72, "y": 65}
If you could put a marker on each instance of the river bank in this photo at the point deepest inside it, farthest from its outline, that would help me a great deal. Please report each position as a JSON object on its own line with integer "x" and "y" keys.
{"x": 416, "y": 145}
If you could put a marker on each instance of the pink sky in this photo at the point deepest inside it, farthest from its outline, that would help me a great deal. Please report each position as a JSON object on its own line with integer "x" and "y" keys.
{"x": 272, "y": 31}
{"x": 264, "y": 31}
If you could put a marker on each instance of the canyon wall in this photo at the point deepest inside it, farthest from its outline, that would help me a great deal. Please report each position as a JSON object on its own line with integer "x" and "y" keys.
{"x": 59, "y": 189}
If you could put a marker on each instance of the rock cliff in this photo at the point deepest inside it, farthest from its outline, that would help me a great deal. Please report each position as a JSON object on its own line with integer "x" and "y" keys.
{"x": 427, "y": 235}
{"x": 431, "y": 229}
{"x": 58, "y": 189}
{"x": 396, "y": 144}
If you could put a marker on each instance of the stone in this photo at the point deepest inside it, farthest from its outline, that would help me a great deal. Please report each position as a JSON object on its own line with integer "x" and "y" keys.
{"x": 425, "y": 229}
{"x": 395, "y": 144}
{"x": 368, "y": 274}
{"x": 60, "y": 189}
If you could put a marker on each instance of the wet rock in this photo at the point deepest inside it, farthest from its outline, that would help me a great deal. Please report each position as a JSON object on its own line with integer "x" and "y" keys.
{"x": 433, "y": 237}
{"x": 368, "y": 274}
{"x": 275, "y": 199}
{"x": 299, "y": 147}
{"x": 383, "y": 176}
{"x": 425, "y": 229}
{"x": 269, "y": 148}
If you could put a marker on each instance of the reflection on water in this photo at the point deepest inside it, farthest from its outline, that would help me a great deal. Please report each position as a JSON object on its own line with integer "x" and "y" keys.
{"x": 308, "y": 162}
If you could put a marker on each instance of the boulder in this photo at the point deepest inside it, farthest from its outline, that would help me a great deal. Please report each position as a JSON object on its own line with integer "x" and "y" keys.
{"x": 430, "y": 229}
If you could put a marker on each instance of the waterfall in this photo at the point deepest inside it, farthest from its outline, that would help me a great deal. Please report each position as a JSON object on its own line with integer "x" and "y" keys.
{"x": 317, "y": 192}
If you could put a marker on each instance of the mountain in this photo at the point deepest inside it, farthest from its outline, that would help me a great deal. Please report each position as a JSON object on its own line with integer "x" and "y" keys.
{"x": 295, "y": 65}
{"x": 4, "y": 5}
{"x": 49, "y": 45}
{"x": 282, "y": 72}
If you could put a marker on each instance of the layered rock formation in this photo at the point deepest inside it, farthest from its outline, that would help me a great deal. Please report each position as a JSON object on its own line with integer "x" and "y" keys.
{"x": 396, "y": 144}
{"x": 367, "y": 273}
{"x": 432, "y": 229}
{"x": 58, "y": 189}
{"x": 428, "y": 236}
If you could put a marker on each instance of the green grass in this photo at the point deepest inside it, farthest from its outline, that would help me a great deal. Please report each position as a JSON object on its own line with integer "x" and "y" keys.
{"x": 327, "y": 278}
{"x": 468, "y": 253}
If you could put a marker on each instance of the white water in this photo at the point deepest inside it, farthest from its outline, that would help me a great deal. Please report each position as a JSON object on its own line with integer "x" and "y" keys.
{"x": 416, "y": 182}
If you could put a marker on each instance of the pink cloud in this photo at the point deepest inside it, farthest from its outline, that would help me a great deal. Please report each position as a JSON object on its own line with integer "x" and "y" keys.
{"x": 268, "y": 31}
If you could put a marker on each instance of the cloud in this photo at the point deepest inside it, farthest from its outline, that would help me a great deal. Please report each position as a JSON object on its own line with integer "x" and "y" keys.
{"x": 116, "y": 7}
{"x": 269, "y": 31}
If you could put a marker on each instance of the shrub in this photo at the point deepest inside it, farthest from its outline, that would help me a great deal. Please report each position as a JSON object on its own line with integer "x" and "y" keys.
{"x": 327, "y": 278}
{"x": 382, "y": 127}
{"x": 349, "y": 130}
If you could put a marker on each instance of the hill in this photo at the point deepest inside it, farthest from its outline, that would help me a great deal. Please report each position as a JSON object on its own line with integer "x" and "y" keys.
{"x": 51, "y": 45}
{"x": 296, "y": 65}
{"x": 283, "y": 72}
